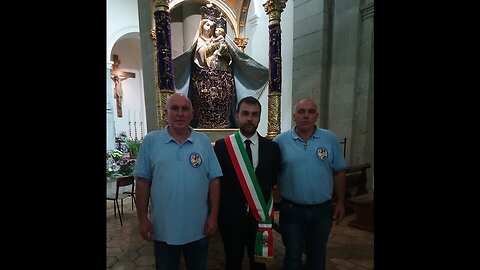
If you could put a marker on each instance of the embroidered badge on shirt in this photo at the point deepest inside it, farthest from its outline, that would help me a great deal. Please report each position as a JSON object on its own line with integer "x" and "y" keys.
{"x": 195, "y": 160}
{"x": 322, "y": 153}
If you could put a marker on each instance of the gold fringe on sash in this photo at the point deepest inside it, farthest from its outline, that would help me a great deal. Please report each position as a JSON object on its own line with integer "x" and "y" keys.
{"x": 261, "y": 259}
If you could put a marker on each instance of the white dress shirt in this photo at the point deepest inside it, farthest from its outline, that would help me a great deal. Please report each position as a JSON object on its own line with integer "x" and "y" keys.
{"x": 253, "y": 146}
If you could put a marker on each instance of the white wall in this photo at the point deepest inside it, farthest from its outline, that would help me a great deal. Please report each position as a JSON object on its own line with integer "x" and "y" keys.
{"x": 122, "y": 19}
{"x": 123, "y": 40}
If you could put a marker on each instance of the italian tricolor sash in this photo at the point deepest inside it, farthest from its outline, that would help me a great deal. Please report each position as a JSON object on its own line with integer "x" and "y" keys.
{"x": 263, "y": 212}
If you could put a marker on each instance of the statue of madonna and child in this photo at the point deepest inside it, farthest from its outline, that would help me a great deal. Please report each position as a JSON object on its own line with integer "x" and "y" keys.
{"x": 216, "y": 74}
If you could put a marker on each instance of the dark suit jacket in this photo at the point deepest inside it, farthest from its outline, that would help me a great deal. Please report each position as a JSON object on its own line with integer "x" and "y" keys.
{"x": 232, "y": 198}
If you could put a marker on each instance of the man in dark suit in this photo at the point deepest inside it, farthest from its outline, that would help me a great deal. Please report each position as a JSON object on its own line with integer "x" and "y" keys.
{"x": 250, "y": 171}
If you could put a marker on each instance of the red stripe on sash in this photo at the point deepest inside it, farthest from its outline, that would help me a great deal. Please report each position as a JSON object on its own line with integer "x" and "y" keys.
{"x": 239, "y": 172}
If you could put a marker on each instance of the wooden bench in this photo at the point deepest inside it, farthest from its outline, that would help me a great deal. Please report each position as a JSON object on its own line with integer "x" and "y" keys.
{"x": 357, "y": 198}
{"x": 356, "y": 183}
{"x": 363, "y": 208}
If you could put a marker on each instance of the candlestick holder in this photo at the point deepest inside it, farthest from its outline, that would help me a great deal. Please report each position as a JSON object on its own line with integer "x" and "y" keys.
{"x": 114, "y": 130}
{"x": 135, "y": 126}
{"x": 129, "y": 130}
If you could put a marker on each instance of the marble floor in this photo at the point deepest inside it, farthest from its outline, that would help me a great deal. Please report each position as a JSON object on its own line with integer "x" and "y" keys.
{"x": 348, "y": 248}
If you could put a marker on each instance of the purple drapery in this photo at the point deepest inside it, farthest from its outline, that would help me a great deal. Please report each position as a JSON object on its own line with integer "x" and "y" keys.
{"x": 275, "y": 55}
{"x": 164, "y": 50}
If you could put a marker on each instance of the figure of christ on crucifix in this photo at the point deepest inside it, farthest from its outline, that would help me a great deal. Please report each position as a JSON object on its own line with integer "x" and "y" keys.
{"x": 118, "y": 76}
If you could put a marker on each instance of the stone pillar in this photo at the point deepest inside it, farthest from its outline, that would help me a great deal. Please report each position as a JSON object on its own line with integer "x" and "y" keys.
{"x": 363, "y": 128}
{"x": 274, "y": 9}
{"x": 148, "y": 74}
{"x": 163, "y": 58}
{"x": 110, "y": 117}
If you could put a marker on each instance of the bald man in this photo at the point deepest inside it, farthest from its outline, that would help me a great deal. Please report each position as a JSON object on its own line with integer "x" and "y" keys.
{"x": 312, "y": 167}
{"x": 177, "y": 175}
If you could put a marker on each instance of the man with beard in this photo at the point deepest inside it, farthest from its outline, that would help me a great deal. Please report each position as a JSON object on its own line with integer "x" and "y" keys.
{"x": 250, "y": 164}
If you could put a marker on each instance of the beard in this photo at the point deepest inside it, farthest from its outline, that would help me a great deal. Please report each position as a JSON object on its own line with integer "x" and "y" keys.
{"x": 248, "y": 129}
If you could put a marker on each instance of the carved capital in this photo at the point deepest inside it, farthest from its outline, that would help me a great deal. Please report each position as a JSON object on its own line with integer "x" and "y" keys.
{"x": 241, "y": 42}
{"x": 274, "y": 9}
{"x": 161, "y": 5}
{"x": 367, "y": 10}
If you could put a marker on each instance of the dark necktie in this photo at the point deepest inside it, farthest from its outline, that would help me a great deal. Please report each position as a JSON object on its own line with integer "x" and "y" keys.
{"x": 249, "y": 150}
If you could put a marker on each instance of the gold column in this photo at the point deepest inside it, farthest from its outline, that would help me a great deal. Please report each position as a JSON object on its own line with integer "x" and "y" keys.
{"x": 274, "y": 9}
{"x": 161, "y": 94}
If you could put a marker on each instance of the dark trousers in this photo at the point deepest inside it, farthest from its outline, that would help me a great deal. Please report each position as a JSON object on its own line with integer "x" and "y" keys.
{"x": 305, "y": 228}
{"x": 237, "y": 234}
{"x": 167, "y": 257}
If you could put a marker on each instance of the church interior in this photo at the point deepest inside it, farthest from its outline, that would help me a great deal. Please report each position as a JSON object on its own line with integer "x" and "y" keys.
{"x": 323, "y": 50}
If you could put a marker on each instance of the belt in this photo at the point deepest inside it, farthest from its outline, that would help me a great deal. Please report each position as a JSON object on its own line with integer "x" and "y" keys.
{"x": 308, "y": 206}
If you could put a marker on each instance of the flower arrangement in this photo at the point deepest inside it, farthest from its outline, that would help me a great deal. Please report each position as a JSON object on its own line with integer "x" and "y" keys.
{"x": 121, "y": 161}
{"x": 132, "y": 146}
{"x": 118, "y": 164}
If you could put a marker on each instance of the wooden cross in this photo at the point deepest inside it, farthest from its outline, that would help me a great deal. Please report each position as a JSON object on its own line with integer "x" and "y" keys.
{"x": 118, "y": 76}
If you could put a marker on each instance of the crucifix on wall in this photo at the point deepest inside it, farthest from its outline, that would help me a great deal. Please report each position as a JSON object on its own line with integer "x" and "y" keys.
{"x": 118, "y": 76}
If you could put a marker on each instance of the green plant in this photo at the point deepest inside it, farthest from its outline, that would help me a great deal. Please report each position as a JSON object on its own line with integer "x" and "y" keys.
{"x": 118, "y": 164}
{"x": 127, "y": 166}
{"x": 132, "y": 145}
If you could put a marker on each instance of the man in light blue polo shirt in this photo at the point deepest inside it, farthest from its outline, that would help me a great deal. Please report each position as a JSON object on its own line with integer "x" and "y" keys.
{"x": 312, "y": 165}
{"x": 177, "y": 175}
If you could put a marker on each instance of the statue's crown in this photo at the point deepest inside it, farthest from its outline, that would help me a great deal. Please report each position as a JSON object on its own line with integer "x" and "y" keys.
{"x": 212, "y": 13}
{"x": 222, "y": 23}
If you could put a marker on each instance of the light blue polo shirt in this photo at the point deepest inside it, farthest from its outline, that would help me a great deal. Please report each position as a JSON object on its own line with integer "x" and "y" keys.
{"x": 180, "y": 175}
{"x": 307, "y": 172}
